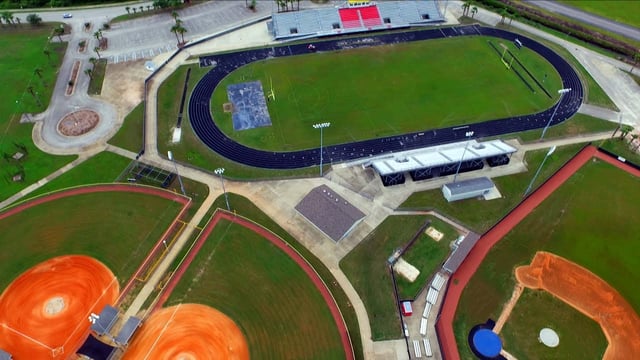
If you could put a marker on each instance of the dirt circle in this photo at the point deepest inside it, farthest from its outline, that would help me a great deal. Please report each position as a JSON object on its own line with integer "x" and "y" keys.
{"x": 78, "y": 122}
{"x": 44, "y": 310}
{"x": 186, "y": 332}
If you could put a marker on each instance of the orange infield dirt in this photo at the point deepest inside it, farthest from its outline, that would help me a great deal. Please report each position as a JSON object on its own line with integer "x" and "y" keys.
{"x": 589, "y": 294}
{"x": 188, "y": 332}
{"x": 44, "y": 312}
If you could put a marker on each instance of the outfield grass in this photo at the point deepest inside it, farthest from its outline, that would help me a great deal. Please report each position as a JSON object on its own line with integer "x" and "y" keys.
{"x": 246, "y": 208}
{"x": 27, "y": 45}
{"x": 366, "y": 267}
{"x": 420, "y": 91}
{"x": 621, "y": 11}
{"x": 116, "y": 228}
{"x": 587, "y": 221}
{"x": 278, "y": 308}
{"x": 580, "y": 336}
{"x": 480, "y": 215}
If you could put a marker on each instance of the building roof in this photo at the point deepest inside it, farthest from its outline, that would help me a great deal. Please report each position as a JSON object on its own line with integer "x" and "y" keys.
{"x": 470, "y": 186}
{"x": 129, "y": 327}
{"x": 460, "y": 253}
{"x": 5, "y": 355}
{"x": 439, "y": 155}
{"x": 329, "y": 212}
{"x": 105, "y": 321}
{"x": 326, "y": 21}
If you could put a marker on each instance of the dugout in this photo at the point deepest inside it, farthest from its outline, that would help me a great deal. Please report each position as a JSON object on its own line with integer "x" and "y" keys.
{"x": 96, "y": 349}
{"x": 101, "y": 324}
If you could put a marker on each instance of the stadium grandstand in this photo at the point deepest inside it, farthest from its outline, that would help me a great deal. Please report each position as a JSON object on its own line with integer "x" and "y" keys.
{"x": 352, "y": 17}
{"x": 441, "y": 160}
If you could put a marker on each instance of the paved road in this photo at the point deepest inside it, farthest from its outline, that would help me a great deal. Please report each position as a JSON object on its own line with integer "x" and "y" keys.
{"x": 595, "y": 20}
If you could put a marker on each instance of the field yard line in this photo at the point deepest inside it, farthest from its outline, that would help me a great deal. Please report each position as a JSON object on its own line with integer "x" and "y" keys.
{"x": 461, "y": 278}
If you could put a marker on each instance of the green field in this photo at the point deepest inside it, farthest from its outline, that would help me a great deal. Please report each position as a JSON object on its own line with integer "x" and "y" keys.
{"x": 621, "y": 11}
{"x": 580, "y": 336}
{"x": 273, "y": 301}
{"x": 366, "y": 268}
{"x": 385, "y": 90}
{"x": 587, "y": 220}
{"x": 116, "y": 228}
{"x": 17, "y": 72}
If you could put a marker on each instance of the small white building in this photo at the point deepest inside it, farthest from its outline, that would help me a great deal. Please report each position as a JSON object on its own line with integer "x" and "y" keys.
{"x": 467, "y": 189}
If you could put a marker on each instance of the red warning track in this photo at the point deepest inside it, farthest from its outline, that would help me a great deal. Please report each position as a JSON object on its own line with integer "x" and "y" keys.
{"x": 315, "y": 278}
{"x": 461, "y": 278}
{"x": 43, "y": 312}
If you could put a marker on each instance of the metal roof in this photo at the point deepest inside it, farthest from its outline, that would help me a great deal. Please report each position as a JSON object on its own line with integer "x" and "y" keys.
{"x": 329, "y": 212}
{"x": 439, "y": 155}
{"x": 5, "y": 355}
{"x": 129, "y": 327}
{"x": 470, "y": 185}
{"x": 460, "y": 253}
{"x": 105, "y": 321}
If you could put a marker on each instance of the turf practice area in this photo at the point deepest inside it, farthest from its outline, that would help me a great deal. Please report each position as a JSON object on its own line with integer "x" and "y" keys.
{"x": 273, "y": 301}
{"x": 587, "y": 221}
{"x": 117, "y": 228}
{"x": 385, "y": 90}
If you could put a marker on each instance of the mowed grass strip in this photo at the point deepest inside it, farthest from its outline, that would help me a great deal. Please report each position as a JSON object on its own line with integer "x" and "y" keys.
{"x": 367, "y": 269}
{"x": 117, "y": 228}
{"x": 385, "y": 90}
{"x": 587, "y": 220}
{"x": 621, "y": 11}
{"x": 580, "y": 336}
{"x": 278, "y": 308}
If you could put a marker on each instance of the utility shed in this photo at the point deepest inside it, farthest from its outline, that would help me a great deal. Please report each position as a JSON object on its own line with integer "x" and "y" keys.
{"x": 467, "y": 189}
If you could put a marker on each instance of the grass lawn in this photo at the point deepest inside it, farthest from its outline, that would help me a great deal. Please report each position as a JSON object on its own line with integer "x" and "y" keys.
{"x": 578, "y": 124}
{"x": 346, "y": 87}
{"x": 366, "y": 265}
{"x": 116, "y": 228}
{"x": 480, "y": 215}
{"x": 101, "y": 168}
{"x": 246, "y": 208}
{"x": 130, "y": 134}
{"x": 191, "y": 150}
{"x": 621, "y": 148}
{"x": 95, "y": 84}
{"x": 18, "y": 69}
{"x": 587, "y": 221}
{"x": 280, "y": 311}
{"x": 580, "y": 336}
{"x": 621, "y": 11}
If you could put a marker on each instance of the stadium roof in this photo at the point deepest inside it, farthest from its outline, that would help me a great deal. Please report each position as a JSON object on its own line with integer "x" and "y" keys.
{"x": 439, "y": 155}
{"x": 329, "y": 212}
{"x": 327, "y": 21}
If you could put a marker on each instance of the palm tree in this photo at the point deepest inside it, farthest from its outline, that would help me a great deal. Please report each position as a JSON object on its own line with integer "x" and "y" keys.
{"x": 148, "y": 7}
{"x": 59, "y": 31}
{"x": 625, "y": 130}
{"x": 134, "y": 10}
{"x": 465, "y": 7}
{"x": 31, "y": 91}
{"x": 127, "y": 8}
{"x": 174, "y": 29}
{"x": 98, "y": 34}
{"x": 141, "y": 8}
{"x": 7, "y": 16}
{"x": 503, "y": 13}
{"x": 18, "y": 20}
{"x": 38, "y": 72}
{"x": 97, "y": 50}
{"x": 93, "y": 61}
{"x": 474, "y": 11}
{"x": 47, "y": 53}
{"x": 175, "y": 15}
{"x": 181, "y": 30}
{"x": 89, "y": 72}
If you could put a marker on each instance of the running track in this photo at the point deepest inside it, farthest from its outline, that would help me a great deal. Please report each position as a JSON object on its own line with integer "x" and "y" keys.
{"x": 205, "y": 128}
{"x": 460, "y": 278}
{"x": 275, "y": 240}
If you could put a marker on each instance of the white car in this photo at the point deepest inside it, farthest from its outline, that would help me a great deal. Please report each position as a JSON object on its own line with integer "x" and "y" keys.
{"x": 67, "y": 16}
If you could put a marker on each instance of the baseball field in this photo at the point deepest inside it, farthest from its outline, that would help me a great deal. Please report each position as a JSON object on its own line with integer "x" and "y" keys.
{"x": 586, "y": 222}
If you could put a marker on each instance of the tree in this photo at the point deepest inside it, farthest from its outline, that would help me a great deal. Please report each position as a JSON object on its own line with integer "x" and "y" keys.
{"x": 465, "y": 7}
{"x": 34, "y": 19}
{"x": 38, "y": 72}
{"x": 148, "y": 7}
{"x": 636, "y": 59}
{"x": 97, "y": 50}
{"x": 474, "y": 11}
{"x": 503, "y": 14}
{"x": 47, "y": 53}
{"x": 7, "y": 16}
{"x": 59, "y": 31}
{"x": 141, "y": 8}
{"x": 93, "y": 61}
{"x": 128, "y": 10}
{"x": 89, "y": 72}
{"x": 134, "y": 10}
{"x": 175, "y": 16}
{"x": 18, "y": 20}
{"x": 181, "y": 30}
{"x": 33, "y": 93}
{"x": 98, "y": 35}
{"x": 174, "y": 29}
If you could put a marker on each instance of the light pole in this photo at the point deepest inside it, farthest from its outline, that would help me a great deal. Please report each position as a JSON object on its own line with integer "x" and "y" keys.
{"x": 219, "y": 172}
{"x": 170, "y": 154}
{"x": 321, "y": 126}
{"x": 553, "y": 148}
{"x": 561, "y": 92}
{"x": 468, "y": 135}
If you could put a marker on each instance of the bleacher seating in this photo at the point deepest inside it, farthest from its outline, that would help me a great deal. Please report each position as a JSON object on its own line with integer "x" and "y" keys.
{"x": 370, "y": 16}
{"x": 350, "y": 18}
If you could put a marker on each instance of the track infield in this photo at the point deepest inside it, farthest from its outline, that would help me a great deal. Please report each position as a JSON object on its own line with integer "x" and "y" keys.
{"x": 462, "y": 277}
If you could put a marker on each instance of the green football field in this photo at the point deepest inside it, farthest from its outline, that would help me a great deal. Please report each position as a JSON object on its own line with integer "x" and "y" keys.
{"x": 385, "y": 90}
{"x": 587, "y": 221}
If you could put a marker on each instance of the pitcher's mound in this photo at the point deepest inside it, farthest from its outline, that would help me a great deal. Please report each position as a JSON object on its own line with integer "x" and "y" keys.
{"x": 78, "y": 122}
